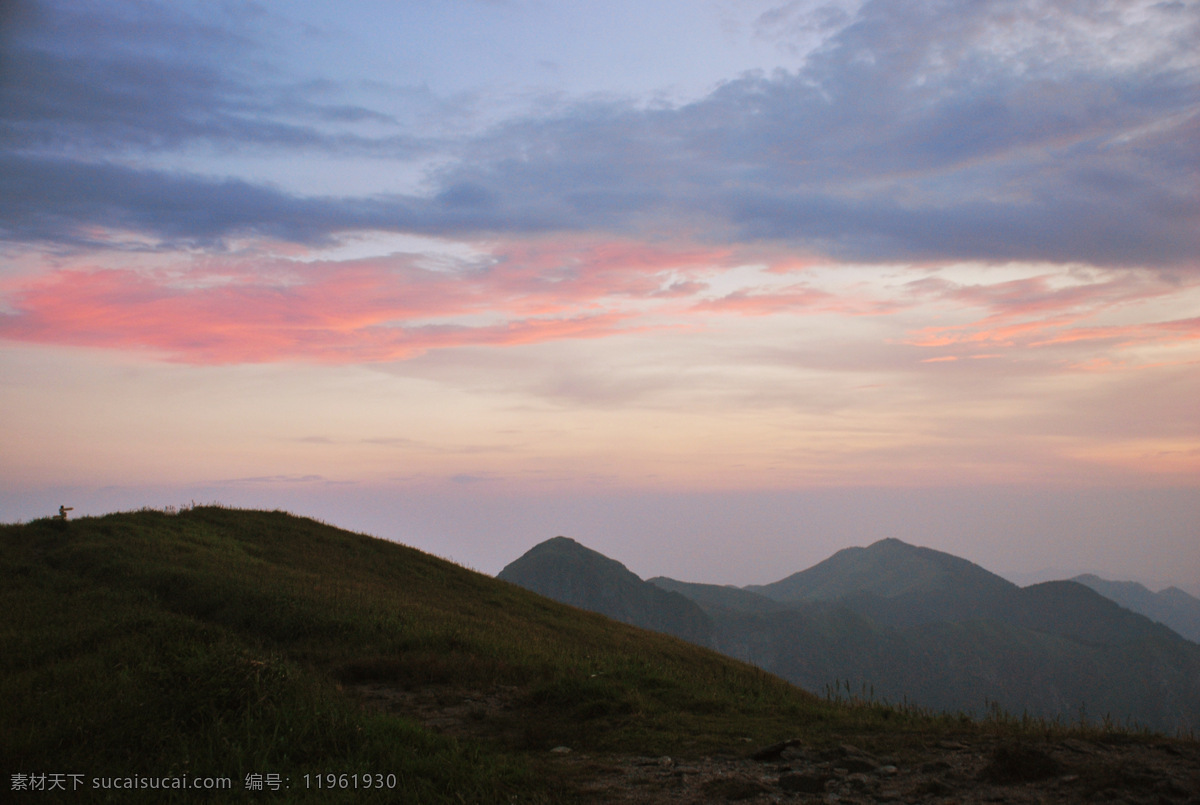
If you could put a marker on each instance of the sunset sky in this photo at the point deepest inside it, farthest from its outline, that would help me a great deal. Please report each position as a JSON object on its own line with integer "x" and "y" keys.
{"x": 716, "y": 287}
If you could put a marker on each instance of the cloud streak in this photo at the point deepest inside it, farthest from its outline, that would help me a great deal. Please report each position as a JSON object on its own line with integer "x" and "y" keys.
{"x": 1040, "y": 312}
{"x": 250, "y": 309}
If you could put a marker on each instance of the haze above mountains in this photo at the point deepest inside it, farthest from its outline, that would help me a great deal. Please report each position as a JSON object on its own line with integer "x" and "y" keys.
{"x": 905, "y": 623}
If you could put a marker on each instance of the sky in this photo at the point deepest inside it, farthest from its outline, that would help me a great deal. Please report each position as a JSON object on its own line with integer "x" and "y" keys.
{"x": 716, "y": 287}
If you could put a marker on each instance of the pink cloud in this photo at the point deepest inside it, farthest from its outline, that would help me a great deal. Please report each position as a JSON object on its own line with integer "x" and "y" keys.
{"x": 1129, "y": 334}
{"x": 795, "y": 298}
{"x": 342, "y": 317}
{"x": 233, "y": 310}
{"x": 765, "y": 303}
{"x": 1031, "y": 313}
{"x": 270, "y": 307}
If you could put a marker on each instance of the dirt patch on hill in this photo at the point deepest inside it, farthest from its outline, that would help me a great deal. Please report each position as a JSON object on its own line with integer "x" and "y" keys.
{"x": 968, "y": 768}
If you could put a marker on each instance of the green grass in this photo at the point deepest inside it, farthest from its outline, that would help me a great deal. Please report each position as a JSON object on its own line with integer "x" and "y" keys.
{"x": 226, "y": 643}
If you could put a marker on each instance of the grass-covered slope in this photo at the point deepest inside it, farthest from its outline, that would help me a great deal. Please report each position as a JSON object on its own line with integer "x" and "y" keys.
{"x": 228, "y": 643}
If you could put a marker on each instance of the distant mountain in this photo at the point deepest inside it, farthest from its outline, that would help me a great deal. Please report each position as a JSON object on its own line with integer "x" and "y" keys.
{"x": 897, "y": 584}
{"x": 719, "y": 596}
{"x": 1171, "y": 607}
{"x": 562, "y": 569}
{"x": 887, "y": 568}
{"x": 906, "y": 623}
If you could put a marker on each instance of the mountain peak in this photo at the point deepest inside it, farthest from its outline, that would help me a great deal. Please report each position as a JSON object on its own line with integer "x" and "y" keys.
{"x": 566, "y": 550}
{"x": 563, "y": 569}
{"x": 887, "y": 568}
{"x": 559, "y": 543}
{"x": 897, "y": 583}
{"x": 890, "y": 542}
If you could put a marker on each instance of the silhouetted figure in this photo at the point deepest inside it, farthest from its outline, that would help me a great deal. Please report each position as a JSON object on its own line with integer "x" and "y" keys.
{"x": 62, "y": 511}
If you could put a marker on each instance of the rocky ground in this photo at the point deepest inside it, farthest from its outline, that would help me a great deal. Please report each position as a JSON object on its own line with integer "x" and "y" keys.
{"x": 966, "y": 768}
{"x": 981, "y": 771}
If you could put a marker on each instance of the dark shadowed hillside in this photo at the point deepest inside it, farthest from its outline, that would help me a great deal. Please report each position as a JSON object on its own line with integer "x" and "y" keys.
{"x": 562, "y": 569}
{"x": 1171, "y": 607}
{"x": 913, "y": 624}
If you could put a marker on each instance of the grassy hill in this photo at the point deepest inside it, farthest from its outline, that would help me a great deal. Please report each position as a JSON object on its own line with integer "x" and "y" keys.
{"x": 229, "y": 643}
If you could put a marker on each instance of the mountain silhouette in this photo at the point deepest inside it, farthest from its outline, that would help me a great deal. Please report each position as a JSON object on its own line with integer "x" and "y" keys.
{"x": 905, "y": 623}
{"x": 1171, "y": 607}
{"x": 725, "y": 597}
{"x": 562, "y": 569}
{"x": 897, "y": 584}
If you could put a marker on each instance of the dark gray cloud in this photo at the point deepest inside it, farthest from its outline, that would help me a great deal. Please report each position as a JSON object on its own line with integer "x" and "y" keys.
{"x": 915, "y": 134}
{"x": 920, "y": 131}
{"x": 63, "y": 201}
{"x": 122, "y": 78}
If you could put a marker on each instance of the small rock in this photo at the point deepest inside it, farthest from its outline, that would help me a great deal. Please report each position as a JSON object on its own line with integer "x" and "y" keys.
{"x": 561, "y": 750}
{"x": 795, "y": 753}
{"x": 857, "y": 764}
{"x": 935, "y": 787}
{"x": 734, "y": 788}
{"x": 774, "y": 751}
{"x": 803, "y": 783}
{"x": 1017, "y": 763}
{"x": 1172, "y": 787}
{"x": 1076, "y": 745}
{"x": 860, "y": 782}
{"x": 888, "y": 770}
